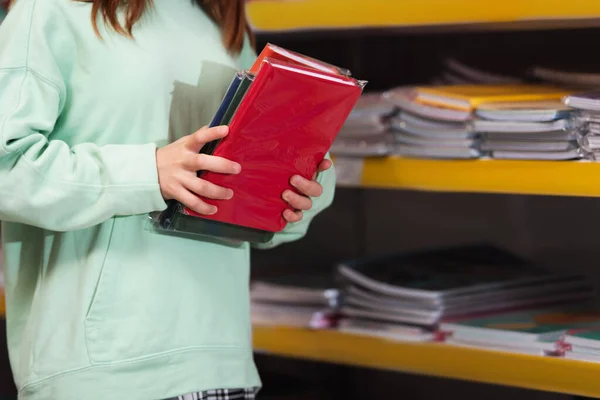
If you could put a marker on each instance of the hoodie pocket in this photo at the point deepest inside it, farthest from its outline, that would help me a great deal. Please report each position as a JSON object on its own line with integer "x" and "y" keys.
{"x": 161, "y": 294}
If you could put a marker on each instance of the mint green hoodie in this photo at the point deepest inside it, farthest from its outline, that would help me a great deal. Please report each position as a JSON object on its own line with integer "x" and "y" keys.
{"x": 100, "y": 306}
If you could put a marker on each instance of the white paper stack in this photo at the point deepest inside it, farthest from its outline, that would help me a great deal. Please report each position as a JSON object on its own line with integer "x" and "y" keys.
{"x": 585, "y": 123}
{"x": 426, "y": 131}
{"x": 366, "y": 132}
{"x": 419, "y": 136}
{"x": 294, "y": 300}
{"x": 582, "y": 344}
{"x": 428, "y": 287}
{"x": 536, "y": 130}
{"x": 533, "y": 331}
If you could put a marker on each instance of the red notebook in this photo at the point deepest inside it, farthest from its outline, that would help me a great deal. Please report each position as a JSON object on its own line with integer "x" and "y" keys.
{"x": 278, "y": 53}
{"x": 284, "y": 126}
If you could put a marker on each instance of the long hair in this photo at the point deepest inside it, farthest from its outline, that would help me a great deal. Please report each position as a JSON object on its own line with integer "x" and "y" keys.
{"x": 229, "y": 15}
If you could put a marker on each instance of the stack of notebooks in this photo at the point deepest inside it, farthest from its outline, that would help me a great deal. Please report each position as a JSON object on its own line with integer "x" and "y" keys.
{"x": 530, "y": 130}
{"x": 582, "y": 343}
{"x": 429, "y": 131}
{"x": 510, "y": 121}
{"x": 283, "y": 116}
{"x": 538, "y": 331}
{"x": 306, "y": 300}
{"x": 585, "y": 123}
{"x": 415, "y": 292}
{"x": 366, "y": 132}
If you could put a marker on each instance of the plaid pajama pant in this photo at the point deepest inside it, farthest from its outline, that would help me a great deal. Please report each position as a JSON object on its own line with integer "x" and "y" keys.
{"x": 220, "y": 394}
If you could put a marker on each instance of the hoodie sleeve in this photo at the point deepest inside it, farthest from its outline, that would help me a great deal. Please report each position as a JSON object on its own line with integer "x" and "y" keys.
{"x": 45, "y": 182}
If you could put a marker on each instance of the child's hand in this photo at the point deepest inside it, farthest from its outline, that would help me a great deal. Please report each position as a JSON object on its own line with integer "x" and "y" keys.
{"x": 308, "y": 189}
{"x": 179, "y": 162}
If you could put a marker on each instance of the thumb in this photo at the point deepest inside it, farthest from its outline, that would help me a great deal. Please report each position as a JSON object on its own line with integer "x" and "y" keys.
{"x": 205, "y": 135}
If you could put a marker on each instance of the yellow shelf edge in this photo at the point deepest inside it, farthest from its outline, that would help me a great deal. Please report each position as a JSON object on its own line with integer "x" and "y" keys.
{"x": 433, "y": 359}
{"x": 557, "y": 178}
{"x": 282, "y": 15}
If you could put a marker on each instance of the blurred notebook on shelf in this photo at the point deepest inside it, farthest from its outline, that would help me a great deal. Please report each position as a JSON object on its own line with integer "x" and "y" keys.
{"x": 469, "y": 74}
{"x": 369, "y": 117}
{"x": 561, "y": 155}
{"x": 484, "y": 126}
{"x": 541, "y": 348}
{"x": 372, "y": 103}
{"x": 429, "y": 128}
{"x": 440, "y": 273}
{"x": 589, "y": 101}
{"x": 294, "y": 299}
{"x": 307, "y": 288}
{"x": 557, "y": 136}
{"x": 525, "y": 146}
{"x": 540, "y": 328}
{"x": 405, "y": 98}
{"x": 289, "y": 315}
{"x": 369, "y": 146}
{"x": 524, "y": 111}
{"x": 436, "y": 152}
{"x": 584, "y": 338}
{"x": 385, "y": 330}
{"x": 426, "y": 287}
{"x": 567, "y": 78}
{"x": 415, "y": 140}
{"x": 582, "y": 344}
{"x": 468, "y": 97}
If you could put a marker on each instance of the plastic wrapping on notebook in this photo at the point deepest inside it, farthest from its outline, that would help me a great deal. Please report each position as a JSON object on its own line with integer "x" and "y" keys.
{"x": 283, "y": 118}
{"x": 273, "y": 52}
{"x": 284, "y": 126}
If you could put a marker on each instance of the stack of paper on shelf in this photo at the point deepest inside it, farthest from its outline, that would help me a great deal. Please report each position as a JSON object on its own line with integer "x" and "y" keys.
{"x": 448, "y": 121}
{"x": 537, "y": 331}
{"x": 427, "y": 287}
{"x": 386, "y": 330}
{"x": 294, "y": 300}
{"x": 582, "y": 344}
{"x": 366, "y": 132}
{"x": 585, "y": 123}
{"x": 419, "y": 136}
{"x": 531, "y": 130}
{"x": 428, "y": 131}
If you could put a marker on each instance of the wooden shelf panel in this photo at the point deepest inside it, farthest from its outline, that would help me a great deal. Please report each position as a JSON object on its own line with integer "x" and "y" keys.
{"x": 563, "y": 178}
{"x": 440, "y": 360}
{"x": 301, "y": 15}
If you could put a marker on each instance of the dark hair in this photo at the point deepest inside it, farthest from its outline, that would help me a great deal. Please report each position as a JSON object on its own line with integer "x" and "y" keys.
{"x": 229, "y": 15}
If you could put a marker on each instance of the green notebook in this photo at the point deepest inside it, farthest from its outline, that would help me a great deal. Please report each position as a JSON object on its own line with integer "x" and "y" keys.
{"x": 543, "y": 324}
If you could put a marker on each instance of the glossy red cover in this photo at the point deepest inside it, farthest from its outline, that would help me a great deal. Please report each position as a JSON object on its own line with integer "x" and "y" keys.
{"x": 284, "y": 126}
{"x": 279, "y": 53}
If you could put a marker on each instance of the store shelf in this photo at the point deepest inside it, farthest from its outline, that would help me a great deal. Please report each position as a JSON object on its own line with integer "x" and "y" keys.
{"x": 531, "y": 372}
{"x": 285, "y": 15}
{"x": 474, "y": 176}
